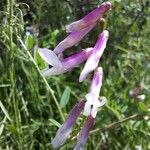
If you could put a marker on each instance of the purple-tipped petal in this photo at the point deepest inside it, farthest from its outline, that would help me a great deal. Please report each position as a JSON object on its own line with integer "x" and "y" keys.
{"x": 76, "y": 59}
{"x": 50, "y": 57}
{"x": 93, "y": 59}
{"x": 64, "y": 131}
{"x": 83, "y": 135}
{"x": 92, "y": 102}
{"x": 72, "y": 39}
{"x": 68, "y": 63}
{"x": 90, "y": 18}
{"x": 97, "y": 81}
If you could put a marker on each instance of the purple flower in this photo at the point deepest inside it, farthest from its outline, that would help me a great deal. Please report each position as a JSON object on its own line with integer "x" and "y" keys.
{"x": 72, "y": 39}
{"x": 92, "y": 102}
{"x": 66, "y": 128}
{"x": 90, "y": 18}
{"x": 93, "y": 59}
{"x": 90, "y": 106}
{"x": 83, "y": 136}
{"x": 64, "y": 65}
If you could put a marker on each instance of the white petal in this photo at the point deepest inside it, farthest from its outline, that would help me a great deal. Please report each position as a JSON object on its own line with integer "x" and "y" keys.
{"x": 87, "y": 109}
{"x": 94, "y": 111}
{"x": 90, "y": 65}
{"x": 52, "y": 71}
{"x": 89, "y": 97}
{"x": 102, "y": 101}
{"x": 50, "y": 57}
{"x": 141, "y": 97}
{"x": 92, "y": 104}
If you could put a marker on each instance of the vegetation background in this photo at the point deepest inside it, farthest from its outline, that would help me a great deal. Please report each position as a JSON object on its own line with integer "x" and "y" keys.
{"x": 30, "y": 109}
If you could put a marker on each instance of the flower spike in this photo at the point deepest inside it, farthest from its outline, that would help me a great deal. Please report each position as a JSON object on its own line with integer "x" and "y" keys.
{"x": 90, "y": 18}
{"x": 93, "y": 59}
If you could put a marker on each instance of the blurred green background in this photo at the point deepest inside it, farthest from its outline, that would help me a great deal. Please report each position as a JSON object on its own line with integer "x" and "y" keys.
{"x": 29, "y": 116}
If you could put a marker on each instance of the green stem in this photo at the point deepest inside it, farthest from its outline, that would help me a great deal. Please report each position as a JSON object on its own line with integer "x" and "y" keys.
{"x": 45, "y": 81}
{"x": 12, "y": 69}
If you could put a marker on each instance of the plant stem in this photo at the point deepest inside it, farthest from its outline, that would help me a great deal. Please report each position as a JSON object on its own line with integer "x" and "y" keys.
{"x": 44, "y": 79}
{"x": 12, "y": 69}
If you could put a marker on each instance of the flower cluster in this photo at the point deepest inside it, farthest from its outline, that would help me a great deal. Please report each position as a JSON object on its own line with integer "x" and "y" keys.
{"x": 57, "y": 65}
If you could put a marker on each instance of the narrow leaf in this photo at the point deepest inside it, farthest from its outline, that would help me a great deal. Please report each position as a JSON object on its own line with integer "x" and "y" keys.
{"x": 4, "y": 110}
{"x": 54, "y": 122}
{"x": 65, "y": 97}
{"x": 29, "y": 42}
{"x": 142, "y": 107}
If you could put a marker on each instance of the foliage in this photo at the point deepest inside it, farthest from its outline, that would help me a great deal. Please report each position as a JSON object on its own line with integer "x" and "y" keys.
{"x": 29, "y": 105}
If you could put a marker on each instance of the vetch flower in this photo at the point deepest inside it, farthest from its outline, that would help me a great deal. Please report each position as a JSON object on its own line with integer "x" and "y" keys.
{"x": 90, "y": 109}
{"x": 93, "y": 59}
{"x": 66, "y": 128}
{"x": 136, "y": 93}
{"x": 90, "y": 18}
{"x": 92, "y": 102}
{"x": 83, "y": 136}
{"x": 141, "y": 97}
{"x": 90, "y": 105}
{"x": 64, "y": 65}
{"x": 72, "y": 39}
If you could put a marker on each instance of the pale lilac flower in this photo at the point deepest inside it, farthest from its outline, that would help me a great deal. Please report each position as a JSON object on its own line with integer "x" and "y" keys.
{"x": 72, "y": 39}
{"x": 90, "y": 109}
{"x": 92, "y": 102}
{"x": 136, "y": 93}
{"x": 83, "y": 136}
{"x": 64, "y": 65}
{"x": 90, "y": 105}
{"x": 90, "y": 18}
{"x": 66, "y": 128}
{"x": 93, "y": 59}
{"x": 141, "y": 97}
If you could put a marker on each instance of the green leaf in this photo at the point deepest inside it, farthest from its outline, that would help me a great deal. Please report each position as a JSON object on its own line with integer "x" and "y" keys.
{"x": 65, "y": 97}
{"x": 29, "y": 42}
{"x": 142, "y": 107}
{"x": 5, "y": 111}
{"x": 12, "y": 129}
{"x": 39, "y": 60}
{"x": 114, "y": 112}
{"x": 54, "y": 122}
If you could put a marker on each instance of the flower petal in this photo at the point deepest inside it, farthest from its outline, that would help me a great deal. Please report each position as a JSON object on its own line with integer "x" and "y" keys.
{"x": 72, "y": 39}
{"x": 97, "y": 104}
{"x": 52, "y": 71}
{"x": 96, "y": 82}
{"x": 50, "y": 57}
{"x": 76, "y": 59}
{"x": 93, "y": 59}
{"x": 64, "y": 131}
{"x": 90, "y": 18}
{"x": 83, "y": 135}
{"x": 141, "y": 97}
{"x": 92, "y": 102}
